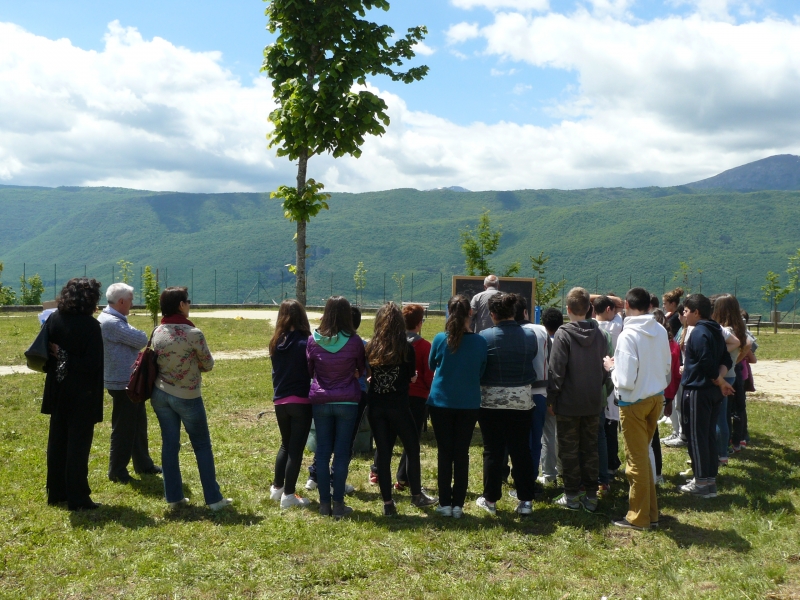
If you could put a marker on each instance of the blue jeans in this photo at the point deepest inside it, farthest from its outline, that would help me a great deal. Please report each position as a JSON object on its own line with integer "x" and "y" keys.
{"x": 334, "y": 425}
{"x": 171, "y": 412}
{"x": 537, "y": 428}
{"x": 723, "y": 430}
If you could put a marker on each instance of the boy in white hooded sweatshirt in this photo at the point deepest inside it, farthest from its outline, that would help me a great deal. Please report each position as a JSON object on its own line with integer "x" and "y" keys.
{"x": 640, "y": 371}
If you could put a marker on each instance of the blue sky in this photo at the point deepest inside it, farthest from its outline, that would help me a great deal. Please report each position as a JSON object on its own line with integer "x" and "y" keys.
{"x": 596, "y": 92}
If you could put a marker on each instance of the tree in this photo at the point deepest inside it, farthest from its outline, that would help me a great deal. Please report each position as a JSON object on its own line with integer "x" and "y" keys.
{"x": 546, "y": 292}
{"x": 324, "y": 49}
{"x": 151, "y": 293}
{"x": 683, "y": 276}
{"x": 400, "y": 281}
{"x": 479, "y": 244}
{"x": 31, "y": 290}
{"x": 773, "y": 293}
{"x": 7, "y": 295}
{"x": 125, "y": 271}
{"x": 360, "y": 277}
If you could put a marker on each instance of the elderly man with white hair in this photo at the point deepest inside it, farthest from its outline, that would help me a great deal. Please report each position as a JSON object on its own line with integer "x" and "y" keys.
{"x": 121, "y": 344}
{"x": 480, "y": 304}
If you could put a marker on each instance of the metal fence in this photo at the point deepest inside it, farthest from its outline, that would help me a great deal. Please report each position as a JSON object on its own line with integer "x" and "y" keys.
{"x": 208, "y": 285}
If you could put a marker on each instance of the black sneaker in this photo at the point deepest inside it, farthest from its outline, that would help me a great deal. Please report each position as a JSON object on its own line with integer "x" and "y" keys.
{"x": 422, "y": 500}
{"x": 389, "y": 510}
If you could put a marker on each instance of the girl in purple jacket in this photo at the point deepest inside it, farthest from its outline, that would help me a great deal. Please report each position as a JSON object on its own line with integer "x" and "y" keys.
{"x": 335, "y": 356}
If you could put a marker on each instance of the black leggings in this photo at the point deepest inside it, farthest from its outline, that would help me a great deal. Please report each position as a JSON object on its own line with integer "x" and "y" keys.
{"x": 453, "y": 428}
{"x": 294, "y": 422}
{"x": 501, "y": 429}
{"x": 417, "y": 406}
{"x": 387, "y": 421}
{"x": 656, "y": 446}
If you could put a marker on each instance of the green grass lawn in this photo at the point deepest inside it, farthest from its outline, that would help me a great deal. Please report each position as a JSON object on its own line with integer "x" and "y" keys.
{"x": 743, "y": 544}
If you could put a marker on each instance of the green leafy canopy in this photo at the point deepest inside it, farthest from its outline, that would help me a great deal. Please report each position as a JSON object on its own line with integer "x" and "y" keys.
{"x": 324, "y": 48}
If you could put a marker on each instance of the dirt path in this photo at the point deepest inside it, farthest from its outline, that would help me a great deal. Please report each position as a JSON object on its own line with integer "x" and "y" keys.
{"x": 261, "y": 314}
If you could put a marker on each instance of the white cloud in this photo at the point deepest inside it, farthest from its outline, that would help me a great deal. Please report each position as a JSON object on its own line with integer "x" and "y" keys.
{"x": 461, "y": 32}
{"x": 521, "y": 88}
{"x": 524, "y": 5}
{"x": 141, "y": 113}
{"x": 617, "y": 8}
{"x": 423, "y": 49}
{"x": 660, "y": 102}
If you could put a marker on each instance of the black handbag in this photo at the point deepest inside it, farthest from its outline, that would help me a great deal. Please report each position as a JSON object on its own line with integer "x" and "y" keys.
{"x": 37, "y": 355}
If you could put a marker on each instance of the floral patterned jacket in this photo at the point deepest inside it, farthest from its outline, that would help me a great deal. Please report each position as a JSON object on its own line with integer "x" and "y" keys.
{"x": 183, "y": 356}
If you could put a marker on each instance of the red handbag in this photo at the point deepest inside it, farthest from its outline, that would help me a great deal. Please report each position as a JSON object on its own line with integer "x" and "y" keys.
{"x": 143, "y": 379}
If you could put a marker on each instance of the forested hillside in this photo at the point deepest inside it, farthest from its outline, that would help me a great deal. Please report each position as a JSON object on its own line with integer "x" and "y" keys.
{"x": 602, "y": 238}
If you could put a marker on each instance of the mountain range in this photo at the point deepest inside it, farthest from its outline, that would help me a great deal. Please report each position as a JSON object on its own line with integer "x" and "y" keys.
{"x": 235, "y": 247}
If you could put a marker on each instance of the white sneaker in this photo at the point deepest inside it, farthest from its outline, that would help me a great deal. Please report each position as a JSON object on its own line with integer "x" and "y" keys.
{"x": 445, "y": 511}
{"x": 293, "y": 500}
{"x": 524, "y": 507}
{"x": 687, "y": 473}
{"x": 490, "y": 507}
{"x": 221, "y": 504}
{"x": 179, "y": 503}
{"x": 457, "y": 512}
{"x": 546, "y": 479}
{"x": 349, "y": 490}
{"x": 275, "y": 493}
{"x": 311, "y": 484}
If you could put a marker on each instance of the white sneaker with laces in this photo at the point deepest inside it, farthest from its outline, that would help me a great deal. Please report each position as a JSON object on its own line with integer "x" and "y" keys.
{"x": 311, "y": 484}
{"x": 490, "y": 507}
{"x": 179, "y": 503}
{"x": 349, "y": 490}
{"x": 275, "y": 493}
{"x": 293, "y": 500}
{"x": 457, "y": 512}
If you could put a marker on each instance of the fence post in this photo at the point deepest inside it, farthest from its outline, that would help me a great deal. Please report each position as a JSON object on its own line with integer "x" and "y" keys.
{"x": 84, "y": 270}
{"x": 112, "y": 273}
{"x": 331, "y": 284}
{"x": 237, "y": 286}
{"x": 192, "y": 291}
{"x": 282, "y": 295}
{"x": 166, "y": 277}
{"x": 55, "y": 278}
{"x": 384, "y": 287}
{"x": 412, "y": 286}
{"x": 441, "y": 288}
{"x": 215, "y": 287}
{"x": 141, "y": 281}
{"x": 258, "y": 289}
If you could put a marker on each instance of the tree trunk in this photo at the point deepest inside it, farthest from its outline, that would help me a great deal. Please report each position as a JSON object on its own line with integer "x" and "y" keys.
{"x": 300, "y": 258}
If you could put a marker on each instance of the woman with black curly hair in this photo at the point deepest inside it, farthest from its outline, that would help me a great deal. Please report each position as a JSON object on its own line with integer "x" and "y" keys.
{"x": 73, "y": 392}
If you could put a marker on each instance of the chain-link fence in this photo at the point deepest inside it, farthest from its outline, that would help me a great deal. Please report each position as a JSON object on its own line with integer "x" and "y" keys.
{"x": 208, "y": 285}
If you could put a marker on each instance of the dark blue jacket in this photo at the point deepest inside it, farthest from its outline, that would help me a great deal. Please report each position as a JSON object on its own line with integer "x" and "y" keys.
{"x": 704, "y": 353}
{"x": 511, "y": 349}
{"x": 290, "y": 368}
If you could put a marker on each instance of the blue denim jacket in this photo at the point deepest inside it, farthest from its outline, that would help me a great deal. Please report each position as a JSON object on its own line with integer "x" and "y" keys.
{"x": 511, "y": 350}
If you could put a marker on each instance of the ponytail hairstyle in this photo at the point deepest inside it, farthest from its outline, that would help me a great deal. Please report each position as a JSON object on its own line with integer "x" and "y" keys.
{"x": 503, "y": 305}
{"x": 457, "y": 318}
{"x": 388, "y": 345}
{"x": 290, "y": 314}
{"x": 728, "y": 314}
{"x": 673, "y": 297}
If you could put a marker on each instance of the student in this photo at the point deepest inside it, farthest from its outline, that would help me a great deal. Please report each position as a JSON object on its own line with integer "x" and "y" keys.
{"x": 552, "y": 319}
{"x": 335, "y": 356}
{"x": 727, "y": 313}
{"x": 670, "y": 391}
{"x": 640, "y": 371}
{"x": 311, "y": 484}
{"x": 576, "y": 375}
{"x": 506, "y": 411}
{"x": 676, "y": 439}
{"x": 458, "y": 357}
{"x": 672, "y": 311}
{"x": 705, "y": 364}
{"x": 605, "y": 311}
{"x": 392, "y": 364}
{"x": 290, "y": 382}
{"x": 413, "y": 315}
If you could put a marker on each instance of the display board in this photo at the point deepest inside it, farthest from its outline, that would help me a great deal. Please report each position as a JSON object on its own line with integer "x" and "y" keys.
{"x": 524, "y": 286}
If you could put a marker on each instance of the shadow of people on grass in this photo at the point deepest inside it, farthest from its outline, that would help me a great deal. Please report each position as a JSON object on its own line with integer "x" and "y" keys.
{"x": 148, "y": 485}
{"x": 227, "y": 516}
{"x": 123, "y": 516}
{"x": 685, "y": 535}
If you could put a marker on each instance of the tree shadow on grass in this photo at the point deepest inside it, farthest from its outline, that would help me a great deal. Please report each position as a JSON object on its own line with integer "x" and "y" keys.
{"x": 124, "y": 516}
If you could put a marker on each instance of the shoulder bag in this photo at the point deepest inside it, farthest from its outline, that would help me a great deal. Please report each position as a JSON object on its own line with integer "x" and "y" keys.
{"x": 143, "y": 379}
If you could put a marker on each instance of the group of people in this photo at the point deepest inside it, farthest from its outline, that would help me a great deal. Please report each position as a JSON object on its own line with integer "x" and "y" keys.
{"x": 550, "y": 397}
{"x": 88, "y": 354}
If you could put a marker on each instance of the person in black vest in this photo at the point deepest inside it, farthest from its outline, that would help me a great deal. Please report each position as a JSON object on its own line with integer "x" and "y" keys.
{"x": 73, "y": 392}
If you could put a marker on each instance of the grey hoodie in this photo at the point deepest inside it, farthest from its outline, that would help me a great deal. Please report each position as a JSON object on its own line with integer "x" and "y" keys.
{"x": 575, "y": 370}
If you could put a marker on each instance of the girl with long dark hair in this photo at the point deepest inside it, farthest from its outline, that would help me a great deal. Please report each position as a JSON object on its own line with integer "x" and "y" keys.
{"x": 290, "y": 383}
{"x": 458, "y": 357}
{"x": 391, "y": 361}
{"x": 335, "y": 357}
